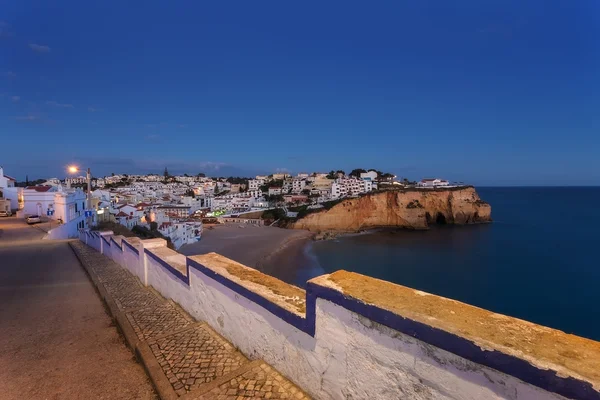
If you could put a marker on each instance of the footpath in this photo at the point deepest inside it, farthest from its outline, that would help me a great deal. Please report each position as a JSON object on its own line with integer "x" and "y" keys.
{"x": 184, "y": 358}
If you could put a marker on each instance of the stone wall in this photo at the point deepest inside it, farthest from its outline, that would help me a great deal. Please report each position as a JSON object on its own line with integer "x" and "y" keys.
{"x": 349, "y": 336}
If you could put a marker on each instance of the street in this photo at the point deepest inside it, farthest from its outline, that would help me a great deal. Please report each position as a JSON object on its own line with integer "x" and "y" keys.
{"x": 56, "y": 339}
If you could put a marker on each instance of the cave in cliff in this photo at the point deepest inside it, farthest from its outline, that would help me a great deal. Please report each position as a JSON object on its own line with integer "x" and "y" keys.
{"x": 440, "y": 219}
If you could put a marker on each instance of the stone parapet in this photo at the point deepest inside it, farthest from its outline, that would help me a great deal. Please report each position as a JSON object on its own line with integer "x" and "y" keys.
{"x": 352, "y": 336}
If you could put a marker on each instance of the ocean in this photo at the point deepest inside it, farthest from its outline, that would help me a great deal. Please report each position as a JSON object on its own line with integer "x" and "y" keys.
{"x": 537, "y": 261}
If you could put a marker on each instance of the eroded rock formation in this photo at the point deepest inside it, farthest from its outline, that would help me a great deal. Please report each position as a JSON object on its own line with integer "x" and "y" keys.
{"x": 411, "y": 208}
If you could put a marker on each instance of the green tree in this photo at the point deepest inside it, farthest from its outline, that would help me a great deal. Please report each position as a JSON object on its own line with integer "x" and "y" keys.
{"x": 356, "y": 172}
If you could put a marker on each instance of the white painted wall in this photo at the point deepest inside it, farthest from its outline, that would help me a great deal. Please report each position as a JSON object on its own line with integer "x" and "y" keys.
{"x": 350, "y": 356}
{"x": 68, "y": 230}
{"x": 13, "y": 194}
{"x": 376, "y": 362}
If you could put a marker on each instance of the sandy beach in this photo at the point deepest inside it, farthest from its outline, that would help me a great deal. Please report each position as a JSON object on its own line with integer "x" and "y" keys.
{"x": 274, "y": 251}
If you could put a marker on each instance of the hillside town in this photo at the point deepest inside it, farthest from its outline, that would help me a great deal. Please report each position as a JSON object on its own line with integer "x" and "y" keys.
{"x": 175, "y": 206}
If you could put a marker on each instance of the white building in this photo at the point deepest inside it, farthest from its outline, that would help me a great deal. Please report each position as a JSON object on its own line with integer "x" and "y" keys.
{"x": 195, "y": 203}
{"x": 153, "y": 178}
{"x": 67, "y": 208}
{"x": 274, "y": 190}
{"x": 369, "y": 175}
{"x": 37, "y": 200}
{"x": 180, "y": 233}
{"x": 78, "y": 180}
{"x": 128, "y": 210}
{"x": 430, "y": 182}
{"x": 343, "y": 187}
{"x": 5, "y": 180}
{"x": 298, "y": 185}
{"x": 254, "y": 184}
{"x": 128, "y": 221}
{"x": 10, "y": 195}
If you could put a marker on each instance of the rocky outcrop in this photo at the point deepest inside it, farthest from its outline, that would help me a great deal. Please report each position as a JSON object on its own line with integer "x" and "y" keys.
{"x": 410, "y": 208}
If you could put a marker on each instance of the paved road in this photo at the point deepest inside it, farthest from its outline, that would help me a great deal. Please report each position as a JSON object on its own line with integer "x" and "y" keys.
{"x": 56, "y": 340}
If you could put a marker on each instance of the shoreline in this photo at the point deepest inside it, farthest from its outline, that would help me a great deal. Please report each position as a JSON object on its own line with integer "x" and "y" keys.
{"x": 287, "y": 261}
{"x": 281, "y": 249}
{"x": 271, "y": 250}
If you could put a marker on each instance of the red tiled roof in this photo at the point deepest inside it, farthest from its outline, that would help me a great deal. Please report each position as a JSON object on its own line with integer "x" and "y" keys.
{"x": 39, "y": 188}
{"x": 122, "y": 214}
{"x": 143, "y": 205}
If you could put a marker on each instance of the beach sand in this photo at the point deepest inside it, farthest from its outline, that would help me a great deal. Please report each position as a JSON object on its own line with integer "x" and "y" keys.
{"x": 274, "y": 251}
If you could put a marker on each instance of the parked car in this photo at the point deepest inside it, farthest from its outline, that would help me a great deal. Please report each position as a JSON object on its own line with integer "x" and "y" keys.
{"x": 33, "y": 219}
{"x": 4, "y": 213}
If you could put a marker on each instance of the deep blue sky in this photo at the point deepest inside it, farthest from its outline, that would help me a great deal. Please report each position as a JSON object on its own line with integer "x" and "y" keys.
{"x": 489, "y": 92}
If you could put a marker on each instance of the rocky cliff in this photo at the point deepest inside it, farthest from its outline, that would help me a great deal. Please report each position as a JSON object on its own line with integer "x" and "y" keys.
{"x": 410, "y": 208}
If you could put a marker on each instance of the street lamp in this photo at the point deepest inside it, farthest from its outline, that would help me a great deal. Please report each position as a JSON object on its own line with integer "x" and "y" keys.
{"x": 74, "y": 169}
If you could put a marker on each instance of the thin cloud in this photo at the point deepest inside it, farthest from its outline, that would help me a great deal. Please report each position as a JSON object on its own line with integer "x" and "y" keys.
{"x": 15, "y": 99}
{"x": 35, "y": 119}
{"x": 61, "y": 105}
{"x": 5, "y": 30}
{"x": 29, "y": 117}
{"x": 38, "y": 48}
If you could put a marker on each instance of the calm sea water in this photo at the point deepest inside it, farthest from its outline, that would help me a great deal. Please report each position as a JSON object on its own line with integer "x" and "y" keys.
{"x": 539, "y": 260}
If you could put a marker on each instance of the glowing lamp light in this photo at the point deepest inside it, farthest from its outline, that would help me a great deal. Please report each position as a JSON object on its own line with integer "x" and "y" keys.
{"x": 73, "y": 169}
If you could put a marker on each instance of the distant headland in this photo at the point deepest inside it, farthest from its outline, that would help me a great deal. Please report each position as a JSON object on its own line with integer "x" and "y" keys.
{"x": 412, "y": 208}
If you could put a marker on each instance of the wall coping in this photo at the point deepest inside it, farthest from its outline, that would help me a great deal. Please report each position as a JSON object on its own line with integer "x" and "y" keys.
{"x": 131, "y": 243}
{"x": 271, "y": 297}
{"x": 117, "y": 241}
{"x": 170, "y": 259}
{"x": 547, "y": 358}
{"x": 285, "y": 295}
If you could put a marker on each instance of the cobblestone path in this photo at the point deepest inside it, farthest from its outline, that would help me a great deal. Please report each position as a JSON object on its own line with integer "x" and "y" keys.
{"x": 196, "y": 361}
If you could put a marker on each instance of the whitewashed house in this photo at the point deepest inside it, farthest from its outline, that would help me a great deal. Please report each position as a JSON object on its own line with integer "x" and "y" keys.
{"x": 298, "y": 185}
{"x": 370, "y": 175}
{"x": 274, "y": 190}
{"x": 10, "y": 196}
{"x": 431, "y": 182}
{"x": 37, "y": 200}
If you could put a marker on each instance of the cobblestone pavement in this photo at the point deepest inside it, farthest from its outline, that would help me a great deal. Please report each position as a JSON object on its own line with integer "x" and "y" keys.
{"x": 152, "y": 322}
{"x": 196, "y": 361}
{"x": 261, "y": 382}
{"x": 195, "y": 357}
